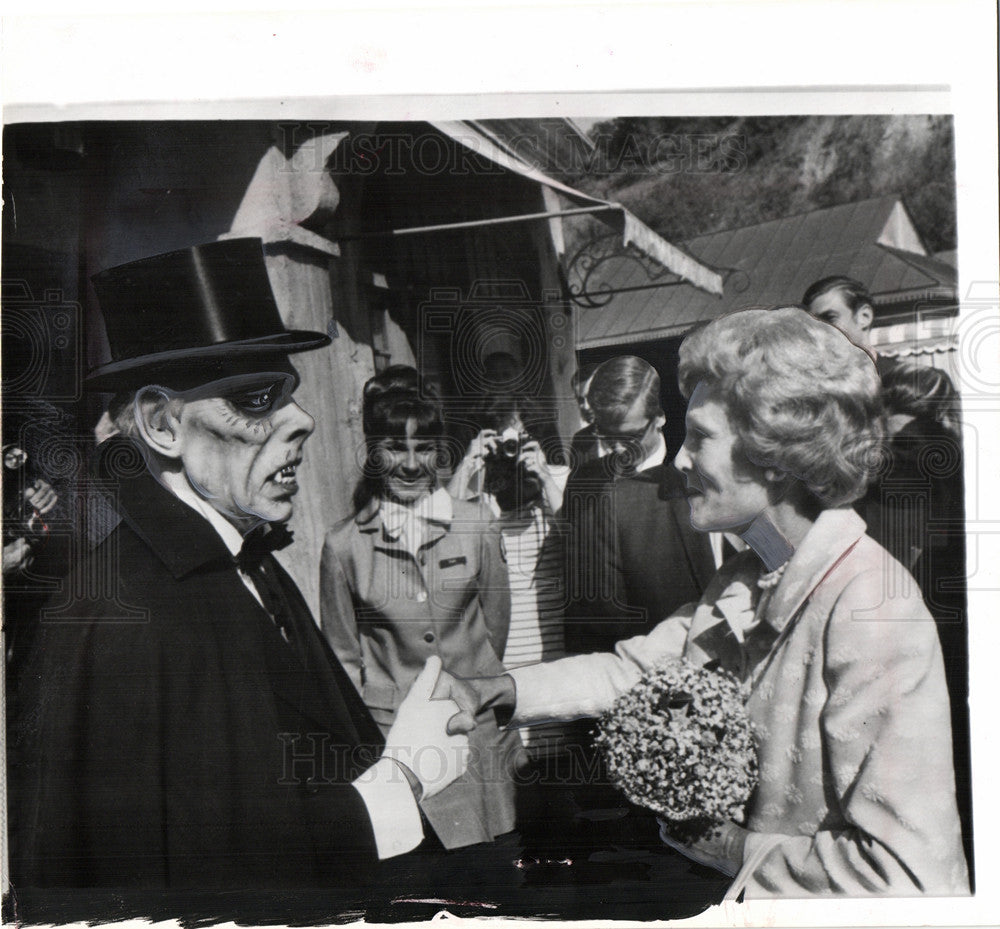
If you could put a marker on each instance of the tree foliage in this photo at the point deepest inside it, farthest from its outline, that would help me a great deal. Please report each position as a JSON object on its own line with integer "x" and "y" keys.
{"x": 689, "y": 176}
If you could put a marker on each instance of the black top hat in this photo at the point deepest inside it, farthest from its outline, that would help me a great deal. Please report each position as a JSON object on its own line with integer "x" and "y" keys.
{"x": 198, "y": 311}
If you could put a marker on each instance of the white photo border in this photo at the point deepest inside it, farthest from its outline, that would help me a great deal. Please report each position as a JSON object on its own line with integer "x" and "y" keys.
{"x": 399, "y": 61}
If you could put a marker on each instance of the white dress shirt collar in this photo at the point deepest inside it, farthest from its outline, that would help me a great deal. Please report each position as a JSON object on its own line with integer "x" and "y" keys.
{"x": 657, "y": 456}
{"x": 230, "y": 535}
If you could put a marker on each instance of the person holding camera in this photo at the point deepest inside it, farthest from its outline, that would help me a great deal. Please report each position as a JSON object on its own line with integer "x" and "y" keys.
{"x": 29, "y": 502}
{"x": 505, "y": 464}
{"x": 506, "y": 467}
{"x": 412, "y": 574}
{"x": 23, "y": 510}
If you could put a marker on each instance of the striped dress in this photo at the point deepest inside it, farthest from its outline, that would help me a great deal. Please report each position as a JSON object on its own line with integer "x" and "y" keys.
{"x": 533, "y": 548}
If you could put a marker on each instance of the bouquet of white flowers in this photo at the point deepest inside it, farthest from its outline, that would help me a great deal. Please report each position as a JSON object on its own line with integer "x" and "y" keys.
{"x": 680, "y": 743}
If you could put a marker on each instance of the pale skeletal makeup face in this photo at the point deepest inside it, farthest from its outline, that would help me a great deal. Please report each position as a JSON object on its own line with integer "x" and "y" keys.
{"x": 240, "y": 443}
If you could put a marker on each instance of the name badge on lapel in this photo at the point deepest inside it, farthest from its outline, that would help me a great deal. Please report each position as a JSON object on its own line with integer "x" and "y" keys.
{"x": 452, "y": 562}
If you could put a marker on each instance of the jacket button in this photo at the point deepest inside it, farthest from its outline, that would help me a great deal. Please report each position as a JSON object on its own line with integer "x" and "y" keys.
{"x": 428, "y": 636}
{"x": 421, "y": 596}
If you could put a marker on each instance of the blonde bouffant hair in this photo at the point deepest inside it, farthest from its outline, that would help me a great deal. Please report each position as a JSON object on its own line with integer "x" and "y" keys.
{"x": 802, "y": 398}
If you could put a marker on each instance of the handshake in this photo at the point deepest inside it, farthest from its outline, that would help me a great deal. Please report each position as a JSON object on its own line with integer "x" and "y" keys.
{"x": 429, "y": 737}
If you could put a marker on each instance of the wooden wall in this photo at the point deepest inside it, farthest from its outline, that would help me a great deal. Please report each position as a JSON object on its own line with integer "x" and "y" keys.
{"x": 140, "y": 189}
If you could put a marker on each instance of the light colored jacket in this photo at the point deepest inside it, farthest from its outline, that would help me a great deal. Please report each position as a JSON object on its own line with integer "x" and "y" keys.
{"x": 385, "y": 611}
{"x": 845, "y": 686}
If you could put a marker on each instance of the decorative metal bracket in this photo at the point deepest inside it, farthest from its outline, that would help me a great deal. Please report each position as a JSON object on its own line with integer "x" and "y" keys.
{"x": 584, "y": 272}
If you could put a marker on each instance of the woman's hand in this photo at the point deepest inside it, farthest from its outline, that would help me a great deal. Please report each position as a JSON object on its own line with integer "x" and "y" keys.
{"x": 480, "y": 448}
{"x": 721, "y": 847}
{"x": 473, "y": 695}
{"x": 534, "y": 461}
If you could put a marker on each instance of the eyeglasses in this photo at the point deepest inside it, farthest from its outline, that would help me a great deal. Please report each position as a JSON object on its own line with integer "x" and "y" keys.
{"x": 625, "y": 438}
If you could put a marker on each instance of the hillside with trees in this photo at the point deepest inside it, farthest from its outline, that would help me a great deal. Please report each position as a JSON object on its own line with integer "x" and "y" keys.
{"x": 691, "y": 176}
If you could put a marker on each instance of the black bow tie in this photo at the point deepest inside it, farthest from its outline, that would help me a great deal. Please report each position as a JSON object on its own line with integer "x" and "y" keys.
{"x": 271, "y": 537}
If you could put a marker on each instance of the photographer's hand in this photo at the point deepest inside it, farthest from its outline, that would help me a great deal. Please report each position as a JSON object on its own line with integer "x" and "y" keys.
{"x": 41, "y": 497}
{"x": 16, "y": 556}
{"x": 480, "y": 448}
{"x": 534, "y": 460}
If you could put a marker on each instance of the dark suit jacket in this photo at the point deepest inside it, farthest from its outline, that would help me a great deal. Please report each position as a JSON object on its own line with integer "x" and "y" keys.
{"x": 633, "y": 557}
{"x": 584, "y": 447}
{"x": 155, "y": 743}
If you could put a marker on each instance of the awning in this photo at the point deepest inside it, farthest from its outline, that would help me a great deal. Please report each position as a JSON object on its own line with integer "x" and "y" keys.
{"x": 928, "y": 336}
{"x": 922, "y": 347}
{"x": 767, "y": 264}
{"x": 633, "y": 231}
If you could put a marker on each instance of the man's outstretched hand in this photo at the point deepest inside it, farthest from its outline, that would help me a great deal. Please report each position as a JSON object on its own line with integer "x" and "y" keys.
{"x": 474, "y": 695}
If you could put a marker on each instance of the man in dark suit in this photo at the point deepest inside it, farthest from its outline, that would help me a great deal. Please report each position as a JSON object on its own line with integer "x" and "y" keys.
{"x": 633, "y": 557}
{"x": 632, "y": 560}
{"x": 182, "y": 723}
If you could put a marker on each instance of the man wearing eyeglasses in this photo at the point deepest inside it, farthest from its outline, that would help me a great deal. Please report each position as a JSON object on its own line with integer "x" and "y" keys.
{"x": 633, "y": 557}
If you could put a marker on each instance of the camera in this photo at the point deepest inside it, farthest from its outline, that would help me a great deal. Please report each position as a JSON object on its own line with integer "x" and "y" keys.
{"x": 20, "y": 519}
{"x": 509, "y": 444}
{"x": 510, "y": 482}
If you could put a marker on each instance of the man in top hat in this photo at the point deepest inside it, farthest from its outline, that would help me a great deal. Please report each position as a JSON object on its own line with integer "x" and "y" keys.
{"x": 187, "y": 727}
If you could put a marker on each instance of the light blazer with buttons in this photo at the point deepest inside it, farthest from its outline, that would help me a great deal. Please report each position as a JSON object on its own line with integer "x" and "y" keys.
{"x": 385, "y": 611}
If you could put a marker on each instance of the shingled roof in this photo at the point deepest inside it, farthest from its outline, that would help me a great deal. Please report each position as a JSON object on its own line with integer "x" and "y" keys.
{"x": 773, "y": 262}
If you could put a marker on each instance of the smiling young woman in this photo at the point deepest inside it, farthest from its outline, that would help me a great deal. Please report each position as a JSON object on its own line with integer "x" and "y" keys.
{"x": 412, "y": 574}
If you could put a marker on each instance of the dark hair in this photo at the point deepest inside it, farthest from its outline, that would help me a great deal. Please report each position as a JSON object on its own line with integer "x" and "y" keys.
{"x": 855, "y": 293}
{"x": 390, "y": 400}
{"x": 621, "y": 381}
{"x": 394, "y": 397}
{"x": 497, "y": 413}
{"x": 921, "y": 392}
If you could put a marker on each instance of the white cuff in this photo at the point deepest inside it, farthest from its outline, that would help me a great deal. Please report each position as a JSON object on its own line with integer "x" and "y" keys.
{"x": 392, "y": 808}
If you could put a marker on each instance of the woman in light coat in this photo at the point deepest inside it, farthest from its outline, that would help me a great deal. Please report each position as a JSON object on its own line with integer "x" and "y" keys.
{"x": 838, "y": 656}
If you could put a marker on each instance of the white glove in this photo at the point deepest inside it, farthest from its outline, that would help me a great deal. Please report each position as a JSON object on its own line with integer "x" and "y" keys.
{"x": 418, "y": 738}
